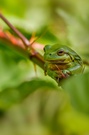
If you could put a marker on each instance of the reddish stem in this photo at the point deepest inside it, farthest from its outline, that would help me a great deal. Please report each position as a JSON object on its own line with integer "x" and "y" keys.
{"x": 33, "y": 54}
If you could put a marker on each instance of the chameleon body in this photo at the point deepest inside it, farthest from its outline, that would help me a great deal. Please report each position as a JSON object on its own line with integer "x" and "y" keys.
{"x": 61, "y": 62}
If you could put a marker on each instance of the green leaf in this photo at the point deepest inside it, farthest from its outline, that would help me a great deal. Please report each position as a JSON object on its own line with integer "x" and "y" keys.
{"x": 14, "y": 95}
{"x": 78, "y": 90}
{"x": 32, "y": 15}
{"x": 14, "y": 67}
{"x": 77, "y": 20}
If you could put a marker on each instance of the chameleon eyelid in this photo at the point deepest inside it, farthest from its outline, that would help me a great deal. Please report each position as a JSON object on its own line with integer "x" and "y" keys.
{"x": 60, "y": 52}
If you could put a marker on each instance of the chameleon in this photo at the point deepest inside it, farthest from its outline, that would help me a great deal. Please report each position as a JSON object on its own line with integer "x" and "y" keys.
{"x": 61, "y": 62}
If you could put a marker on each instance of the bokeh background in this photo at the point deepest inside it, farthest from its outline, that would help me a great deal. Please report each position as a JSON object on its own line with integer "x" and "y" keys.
{"x": 31, "y": 103}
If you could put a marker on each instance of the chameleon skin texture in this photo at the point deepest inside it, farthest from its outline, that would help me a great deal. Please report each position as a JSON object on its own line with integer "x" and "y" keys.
{"x": 61, "y": 62}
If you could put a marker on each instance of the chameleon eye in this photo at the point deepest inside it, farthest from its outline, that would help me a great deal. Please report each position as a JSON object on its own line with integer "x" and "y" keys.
{"x": 60, "y": 53}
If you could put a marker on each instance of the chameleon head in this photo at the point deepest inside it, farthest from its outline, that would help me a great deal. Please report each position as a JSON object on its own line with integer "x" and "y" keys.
{"x": 58, "y": 54}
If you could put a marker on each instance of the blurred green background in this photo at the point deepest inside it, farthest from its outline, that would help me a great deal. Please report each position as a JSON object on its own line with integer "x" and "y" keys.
{"x": 33, "y": 104}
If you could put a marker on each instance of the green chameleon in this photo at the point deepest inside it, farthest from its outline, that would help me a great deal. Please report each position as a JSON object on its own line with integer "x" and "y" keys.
{"x": 61, "y": 62}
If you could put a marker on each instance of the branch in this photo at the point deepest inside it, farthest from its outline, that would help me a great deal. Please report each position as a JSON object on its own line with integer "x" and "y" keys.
{"x": 25, "y": 44}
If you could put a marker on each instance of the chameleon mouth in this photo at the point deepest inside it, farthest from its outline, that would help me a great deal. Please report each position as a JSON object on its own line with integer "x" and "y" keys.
{"x": 58, "y": 61}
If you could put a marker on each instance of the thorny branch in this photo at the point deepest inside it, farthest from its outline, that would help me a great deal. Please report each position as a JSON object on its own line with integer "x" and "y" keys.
{"x": 22, "y": 43}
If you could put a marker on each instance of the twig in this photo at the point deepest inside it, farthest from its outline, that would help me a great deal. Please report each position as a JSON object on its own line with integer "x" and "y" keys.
{"x": 22, "y": 37}
{"x": 33, "y": 54}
